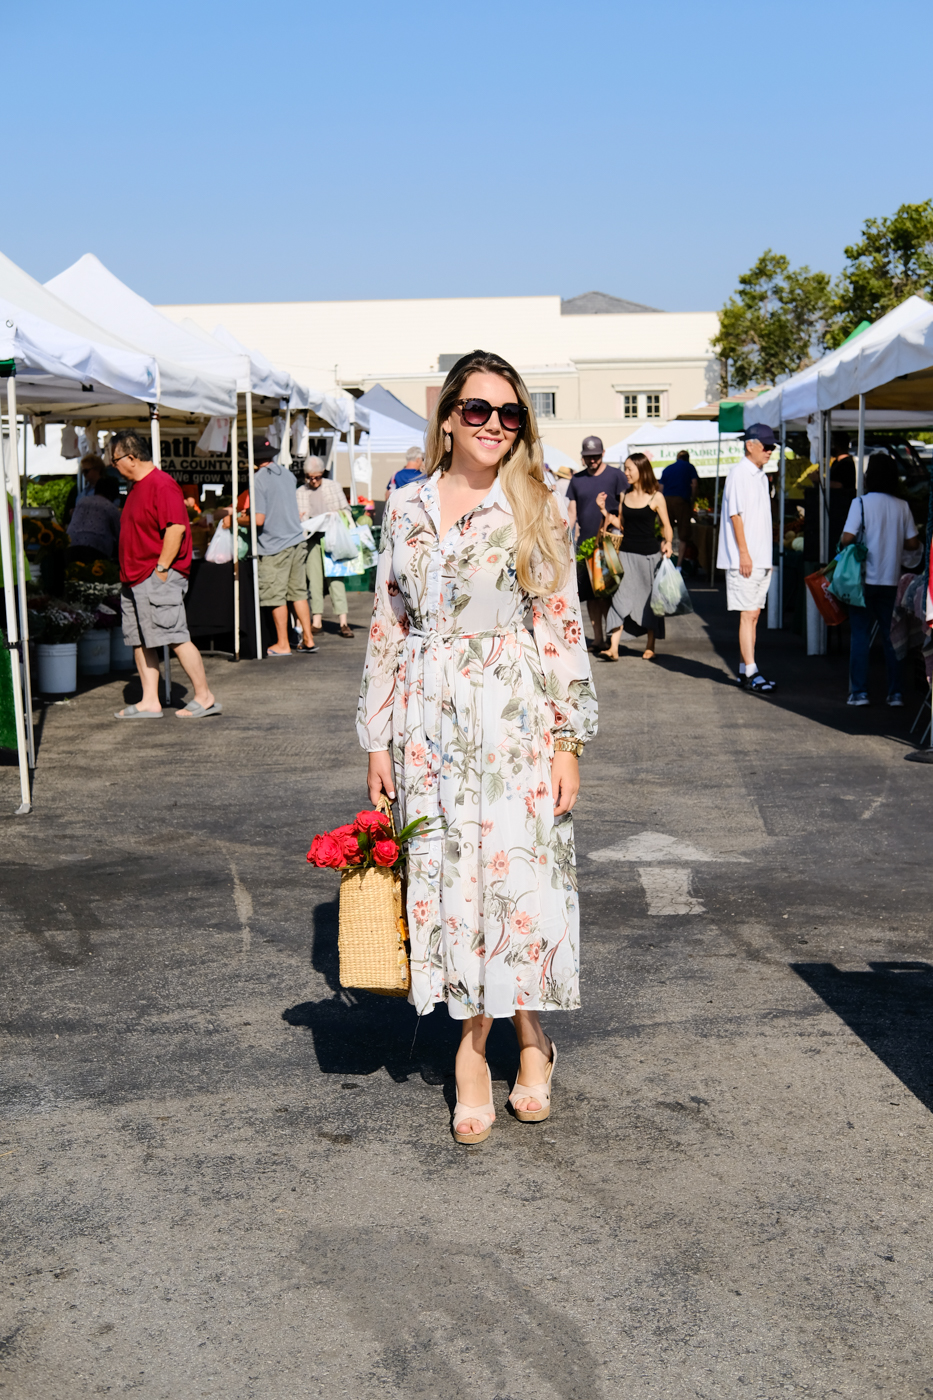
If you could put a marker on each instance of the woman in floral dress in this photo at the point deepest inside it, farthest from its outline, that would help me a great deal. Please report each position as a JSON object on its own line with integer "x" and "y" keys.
{"x": 478, "y": 723}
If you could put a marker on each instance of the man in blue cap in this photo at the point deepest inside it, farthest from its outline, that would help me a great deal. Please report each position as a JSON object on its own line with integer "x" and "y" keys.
{"x": 746, "y": 544}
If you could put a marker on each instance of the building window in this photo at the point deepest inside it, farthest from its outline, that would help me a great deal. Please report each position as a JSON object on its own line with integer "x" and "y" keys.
{"x": 543, "y": 404}
{"x": 639, "y": 405}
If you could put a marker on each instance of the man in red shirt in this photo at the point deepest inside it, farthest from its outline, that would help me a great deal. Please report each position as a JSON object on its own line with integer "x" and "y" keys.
{"x": 155, "y": 560}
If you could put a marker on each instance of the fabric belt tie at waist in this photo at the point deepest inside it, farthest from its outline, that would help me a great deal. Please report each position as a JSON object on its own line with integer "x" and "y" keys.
{"x": 429, "y": 636}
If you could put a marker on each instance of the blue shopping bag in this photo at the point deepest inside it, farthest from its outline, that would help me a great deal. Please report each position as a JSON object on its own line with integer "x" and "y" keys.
{"x": 848, "y": 581}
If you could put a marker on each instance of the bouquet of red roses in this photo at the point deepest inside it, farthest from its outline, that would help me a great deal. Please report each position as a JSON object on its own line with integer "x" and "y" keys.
{"x": 368, "y": 841}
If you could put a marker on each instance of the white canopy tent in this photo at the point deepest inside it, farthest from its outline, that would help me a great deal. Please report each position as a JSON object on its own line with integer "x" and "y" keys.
{"x": 898, "y": 347}
{"x": 176, "y": 385}
{"x": 393, "y": 426}
{"x": 91, "y": 288}
{"x": 45, "y": 362}
{"x": 388, "y": 435}
{"x": 554, "y": 458}
{"x": 881, "y": 377}
{"x": 662, "y": 441}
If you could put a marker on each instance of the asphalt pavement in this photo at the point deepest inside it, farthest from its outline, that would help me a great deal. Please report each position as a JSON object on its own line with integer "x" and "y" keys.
{"x": 222, "y": 1176}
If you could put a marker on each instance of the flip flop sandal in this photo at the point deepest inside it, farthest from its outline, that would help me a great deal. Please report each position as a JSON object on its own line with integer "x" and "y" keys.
{"x": 541, "y": 1092}
{"x": 198, "y": 711}
{"x": 134, "y": 712}
{"x": 303, "y": 650}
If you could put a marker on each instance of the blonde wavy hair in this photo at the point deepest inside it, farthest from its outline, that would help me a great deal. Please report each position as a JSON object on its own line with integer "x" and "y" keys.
{"x": 542, "y": 547}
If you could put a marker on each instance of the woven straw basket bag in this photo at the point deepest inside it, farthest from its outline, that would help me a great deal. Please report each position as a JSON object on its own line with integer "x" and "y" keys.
{"x": 372, "y": 934}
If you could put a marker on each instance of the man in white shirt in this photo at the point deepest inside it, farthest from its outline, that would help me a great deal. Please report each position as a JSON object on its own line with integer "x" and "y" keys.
{"x": 746, "y": 541}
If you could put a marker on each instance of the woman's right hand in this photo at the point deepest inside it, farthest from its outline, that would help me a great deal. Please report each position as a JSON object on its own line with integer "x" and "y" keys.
{"x": 380, "y": 778}
{"x": 601, "y": 501}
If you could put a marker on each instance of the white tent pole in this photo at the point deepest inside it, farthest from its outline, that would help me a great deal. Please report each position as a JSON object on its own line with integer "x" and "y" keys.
{"x": 350, "y": 446}
{"x": 716, "y": 492}
{"x": 155, "y": 434}
{"x": 235, "y": 487}
{"x": 331, "y": 463}
{"x": 821, "y": 482}
{"x": 253, "y": 543}
{"x": 781, "y": 524}
{"x": 19, "y": 554}
{"x": 860, "y": 464}
{"x": 12, "y": 629}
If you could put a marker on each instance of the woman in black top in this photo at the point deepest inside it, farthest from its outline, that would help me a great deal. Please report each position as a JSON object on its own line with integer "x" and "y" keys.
{"x": 640, "y": 554}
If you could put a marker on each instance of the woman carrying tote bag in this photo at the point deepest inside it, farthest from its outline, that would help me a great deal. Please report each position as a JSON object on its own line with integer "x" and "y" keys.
{"x": 640, "y": 556}
{"x": 889, "y": 530}
{"x": 475, "y": 720}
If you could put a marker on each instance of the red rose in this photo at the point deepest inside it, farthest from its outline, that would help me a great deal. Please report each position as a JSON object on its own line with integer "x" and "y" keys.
{"x": 345, "y": 836}
{"x": 325, "y": 851}
{"x": 385, "y": 852}
{"x": 373, "y": 823}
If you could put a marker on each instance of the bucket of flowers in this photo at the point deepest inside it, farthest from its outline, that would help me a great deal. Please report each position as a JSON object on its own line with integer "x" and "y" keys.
{"x": 56, "y": 627}
{"x": 370, "y": 855}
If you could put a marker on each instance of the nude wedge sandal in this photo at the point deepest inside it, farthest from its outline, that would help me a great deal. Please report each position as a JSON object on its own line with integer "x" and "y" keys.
{"x": 541, "y": 1092}
{"x": 463, "y": 1113}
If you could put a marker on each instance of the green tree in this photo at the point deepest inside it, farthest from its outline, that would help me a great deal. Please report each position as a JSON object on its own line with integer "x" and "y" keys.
{"x": 774, "y": 324}
{"x": 892, "y": 261}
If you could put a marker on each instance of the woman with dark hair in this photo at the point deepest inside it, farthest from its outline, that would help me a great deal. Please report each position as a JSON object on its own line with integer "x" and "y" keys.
{"x": 640, "y": 554}
{"x": 480, "y": 724}
{"x": 889, "y": 530}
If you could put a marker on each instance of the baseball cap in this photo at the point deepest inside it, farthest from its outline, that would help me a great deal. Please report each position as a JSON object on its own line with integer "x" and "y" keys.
{"x": 760, "y": 432}
{"x": 592, "y": 447}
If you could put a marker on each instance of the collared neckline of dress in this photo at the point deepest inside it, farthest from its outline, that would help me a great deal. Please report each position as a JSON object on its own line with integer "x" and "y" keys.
{"x": 427, "y": 493}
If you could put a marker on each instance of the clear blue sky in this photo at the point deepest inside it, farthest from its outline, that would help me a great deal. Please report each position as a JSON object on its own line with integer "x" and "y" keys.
{"x": 232, "y": 152}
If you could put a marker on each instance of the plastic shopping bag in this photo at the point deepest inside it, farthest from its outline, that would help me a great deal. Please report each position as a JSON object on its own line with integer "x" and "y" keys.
{"x": 220, "y": 549}
{"x": 669, "y": 596}
{"x": 339, "y": 542}
{"x": 848, "y": 577}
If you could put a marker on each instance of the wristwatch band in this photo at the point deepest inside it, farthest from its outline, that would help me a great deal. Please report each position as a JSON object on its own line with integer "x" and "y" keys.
{"x": 575, "y": 746}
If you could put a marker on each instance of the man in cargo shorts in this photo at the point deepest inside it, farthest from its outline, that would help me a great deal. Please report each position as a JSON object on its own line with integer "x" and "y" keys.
{"x": 155, "y": 560}
{"x": 282, "y": 553}
{"x": 746, "y": 543}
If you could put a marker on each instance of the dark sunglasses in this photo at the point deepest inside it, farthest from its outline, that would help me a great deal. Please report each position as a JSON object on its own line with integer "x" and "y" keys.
{"x": 476, "y": 412}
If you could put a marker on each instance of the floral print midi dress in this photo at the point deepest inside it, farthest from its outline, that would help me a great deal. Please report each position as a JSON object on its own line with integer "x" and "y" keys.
{"x": 469, "y": 702}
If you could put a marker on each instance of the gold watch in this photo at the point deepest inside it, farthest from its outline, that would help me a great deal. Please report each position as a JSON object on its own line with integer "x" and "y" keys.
{"x": 575, "y": 746}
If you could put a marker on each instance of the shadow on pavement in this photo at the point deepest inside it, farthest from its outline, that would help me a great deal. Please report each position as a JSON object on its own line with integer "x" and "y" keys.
{"x": 814, "y": 687}
{"x": 890, "y": 1008}
{"x": 358, "y": 1032}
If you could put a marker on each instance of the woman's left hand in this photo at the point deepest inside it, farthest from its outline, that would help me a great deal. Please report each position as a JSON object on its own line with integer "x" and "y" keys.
{"x": 565, "y": 781}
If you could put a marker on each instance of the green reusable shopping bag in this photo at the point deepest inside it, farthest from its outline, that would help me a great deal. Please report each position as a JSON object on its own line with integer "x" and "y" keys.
{"x": 848, "y": 580}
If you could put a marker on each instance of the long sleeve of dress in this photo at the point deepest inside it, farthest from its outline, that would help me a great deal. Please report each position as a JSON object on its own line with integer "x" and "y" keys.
{"x": 568, "y": 683}
{"x": 387, "y": 631}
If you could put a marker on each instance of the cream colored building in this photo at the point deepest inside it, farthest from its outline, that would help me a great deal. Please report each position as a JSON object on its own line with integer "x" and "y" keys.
{"x": 595, "y": 364}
